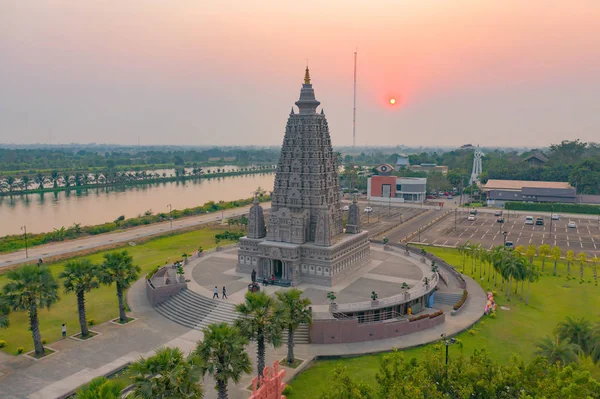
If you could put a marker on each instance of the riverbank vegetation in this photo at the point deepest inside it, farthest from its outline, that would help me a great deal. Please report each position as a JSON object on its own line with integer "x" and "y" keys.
{"x": 15, "y": 242}
{"x": 101, "y": 304}
{"x": 517, "y": 329}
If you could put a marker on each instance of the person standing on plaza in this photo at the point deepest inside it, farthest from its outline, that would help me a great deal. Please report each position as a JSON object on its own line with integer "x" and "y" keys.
{"x": 64, "y": 331}
{"x": 224, "y": 293}
{"x": 216, "y": 293}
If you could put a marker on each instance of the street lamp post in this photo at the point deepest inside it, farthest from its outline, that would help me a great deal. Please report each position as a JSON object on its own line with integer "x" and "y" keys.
{"x": 505, "y": 233}
{"x": 455, "y": 218}
{"x": 447, "y": 342}
{"x": 24, "y": 228}
{"x": 170, "y": 213}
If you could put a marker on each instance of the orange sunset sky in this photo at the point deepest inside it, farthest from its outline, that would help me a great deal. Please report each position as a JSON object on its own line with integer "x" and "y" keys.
{"x": 203, "y": 72}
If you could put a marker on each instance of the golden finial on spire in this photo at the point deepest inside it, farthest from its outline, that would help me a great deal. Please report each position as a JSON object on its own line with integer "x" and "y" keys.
{"x": 306, "y": 76}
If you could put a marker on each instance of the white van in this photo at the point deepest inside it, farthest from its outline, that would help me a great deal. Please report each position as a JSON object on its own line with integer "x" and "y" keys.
{"x": 529, "y": 220}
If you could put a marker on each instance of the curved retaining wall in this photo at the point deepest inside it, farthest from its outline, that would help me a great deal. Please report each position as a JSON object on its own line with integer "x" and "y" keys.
{"x": 342, "y": 331}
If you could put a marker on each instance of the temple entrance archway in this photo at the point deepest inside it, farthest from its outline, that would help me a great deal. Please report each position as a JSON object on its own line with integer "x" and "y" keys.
{"x": 277, "y": 268}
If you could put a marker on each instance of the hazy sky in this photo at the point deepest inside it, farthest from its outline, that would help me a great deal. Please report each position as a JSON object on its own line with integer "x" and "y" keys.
{"x": 224, "y": 72}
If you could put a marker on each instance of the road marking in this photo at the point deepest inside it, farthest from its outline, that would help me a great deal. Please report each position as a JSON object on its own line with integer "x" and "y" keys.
{"x": 476, "y": 231}
{"x": 434, "y": 241}
{"x": 460, "y": 235}
{"x": 517, "y": 240}
{"x": 530, "y": 240}
{"x": 581, "y": 244}
{"x": 495, "y": 237}
{"x": 445, "y": 242}
{"x": 471, "y": 236}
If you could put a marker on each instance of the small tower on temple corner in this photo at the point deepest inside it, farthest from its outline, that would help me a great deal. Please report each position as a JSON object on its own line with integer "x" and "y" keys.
{"x": 353, "y": 224}
{"x": 256, "y": 220}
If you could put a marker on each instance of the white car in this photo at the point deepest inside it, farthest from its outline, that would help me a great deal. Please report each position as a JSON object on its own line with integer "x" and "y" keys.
{"x": 471, "y": 218}
{"x": 555, "y": 216}
{"x": 572, "y": 225}
{"x": 529, "y": 220}
{"x": 368, "y": 209}
{"x": 346, "y": 208}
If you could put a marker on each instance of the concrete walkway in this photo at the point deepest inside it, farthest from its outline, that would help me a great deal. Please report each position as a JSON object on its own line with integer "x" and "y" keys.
{"x": 77, "y": 363}
{"x": 102, "y": 240}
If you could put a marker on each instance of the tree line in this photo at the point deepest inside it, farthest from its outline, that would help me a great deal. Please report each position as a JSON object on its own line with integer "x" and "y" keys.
{"x": 76, "y": 158}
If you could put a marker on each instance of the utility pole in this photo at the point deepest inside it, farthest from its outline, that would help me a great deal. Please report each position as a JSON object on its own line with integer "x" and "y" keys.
{"x": 24, "y": 228}
{"x": 354, "y": 111}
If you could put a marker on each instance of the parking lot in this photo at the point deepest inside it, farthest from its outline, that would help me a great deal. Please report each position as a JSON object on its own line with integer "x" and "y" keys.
{"x": 456, "y": 229}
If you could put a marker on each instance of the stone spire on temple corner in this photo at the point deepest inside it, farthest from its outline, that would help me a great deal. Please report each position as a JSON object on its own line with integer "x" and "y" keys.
{"x": 256, "y": 220}
{"x": 353, "y": 224}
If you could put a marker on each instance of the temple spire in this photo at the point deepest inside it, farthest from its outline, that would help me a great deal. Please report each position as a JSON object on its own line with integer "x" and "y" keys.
{"x": 306, "y": 76}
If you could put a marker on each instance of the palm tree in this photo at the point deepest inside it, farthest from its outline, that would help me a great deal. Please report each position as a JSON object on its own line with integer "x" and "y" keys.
{"x": 582, "y": 258}
{"x": 167, "y": 374}
{"x": 577, "y": 331}
{"x": 4, "y": 311}
{"x": 555, "y": 254}
{"x": 261, "y": 321}
{"x": 544, "y": 251}
{"x": 595, "y": 262}
{"x": 570, "y": 257}
{"x": 100, "y": 388}
{"x": 511, "y": 268}
{"x": 80, "y": 276}
{"x": 40, "y": 179}
{"x": 54, "y": 176}
{"x": 557, "y": 350}
{"x": 10, "y": 181}
{"x": 118, "y": 268}
{"x": 31, "y": 287}
{"x": 532, "y": 275}
{"x": 297, "y": 312}
{"x": 25, "y": 182}
{"x": 464, "y": 251}
{"x": 223, "y": 355}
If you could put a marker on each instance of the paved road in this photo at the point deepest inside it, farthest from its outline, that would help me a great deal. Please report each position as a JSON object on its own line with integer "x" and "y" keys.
{"x": 62, "y": 248}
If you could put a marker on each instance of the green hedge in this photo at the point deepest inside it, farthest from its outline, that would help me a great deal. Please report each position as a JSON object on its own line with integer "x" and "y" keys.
{"x": 17, "y": 241}
{"x": 553, "y": 207}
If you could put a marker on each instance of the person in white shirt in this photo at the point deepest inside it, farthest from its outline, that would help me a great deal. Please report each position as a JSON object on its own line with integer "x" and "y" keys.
{"x": 216, "y": 293}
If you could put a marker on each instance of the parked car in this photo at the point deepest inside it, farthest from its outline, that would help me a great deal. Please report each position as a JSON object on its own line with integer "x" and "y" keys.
{"x": 555, "y": 216}
{"x": 508, "y": 244}
{"x": 449, "y": 197}
{"x": 572, "y": 225}
{"x": 473, "y": 211}
{"x": 498, "y": 213}
{"x": 529, "y": 220}
{"x": 500, "y": 220}
{"x": 539, "y": 221}
{"x": 471, "y": 218}
{"x": 346, "y": 208}
{"x": 368, "y": 209}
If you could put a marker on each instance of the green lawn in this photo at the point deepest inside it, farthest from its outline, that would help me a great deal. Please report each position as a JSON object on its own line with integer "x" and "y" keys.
{"x": 101, "y": 304}
{"x": 512, "y": 332}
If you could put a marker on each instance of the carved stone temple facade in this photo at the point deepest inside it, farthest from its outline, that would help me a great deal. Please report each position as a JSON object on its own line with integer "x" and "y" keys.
{"x": 304, "y": 241}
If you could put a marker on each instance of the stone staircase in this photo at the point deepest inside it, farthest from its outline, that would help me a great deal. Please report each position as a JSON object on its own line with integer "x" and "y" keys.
{"x": 196, "y": 311}
{"x": 447, "y": 298}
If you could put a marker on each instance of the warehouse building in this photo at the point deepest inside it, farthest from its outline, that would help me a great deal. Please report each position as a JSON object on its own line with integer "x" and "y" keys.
{"x": 499, "y": 191}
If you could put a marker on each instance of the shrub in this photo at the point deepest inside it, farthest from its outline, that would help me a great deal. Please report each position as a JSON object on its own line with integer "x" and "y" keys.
{"x": 44, "y": 342}
{"x": 552, "y": 207}
{"x": 462, "y": 300}
{"x": 493, "y": 315}
{"x": 287, "y": 390}
{"x": 2, "y": 343}
{"x": 472, "y": 332}
{"x": 20, "y": 350}
{"x": 91, "y": 322}
{"x": 152, "y": 273}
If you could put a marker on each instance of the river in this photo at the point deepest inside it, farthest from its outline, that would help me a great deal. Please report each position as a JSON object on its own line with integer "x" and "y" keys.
{"x": 45, "y": 211}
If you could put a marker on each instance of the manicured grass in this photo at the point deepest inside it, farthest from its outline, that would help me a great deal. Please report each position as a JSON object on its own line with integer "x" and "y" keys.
{"x": 511, "y": 332}
{"x": 101, "y": 304}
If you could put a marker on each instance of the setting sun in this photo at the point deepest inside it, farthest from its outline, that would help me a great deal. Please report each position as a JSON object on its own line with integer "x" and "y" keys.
{"x": 392, "y": 101}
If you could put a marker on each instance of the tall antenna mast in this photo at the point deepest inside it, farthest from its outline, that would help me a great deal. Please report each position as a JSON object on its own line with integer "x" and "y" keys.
{"x": 354, "y": 111}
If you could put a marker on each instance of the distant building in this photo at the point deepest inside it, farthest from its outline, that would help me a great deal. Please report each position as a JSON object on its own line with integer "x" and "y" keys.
{"x": 429, "y": 167}
{"x": 402, "y": 161}
{"x": 466, "y": 146}
{"x": 536, "y": 159}
{"x": 396, "y": 189}
{"x": 500, "y": 191}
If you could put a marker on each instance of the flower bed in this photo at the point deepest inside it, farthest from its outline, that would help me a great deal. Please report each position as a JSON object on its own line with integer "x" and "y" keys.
{"x": 426, "y": 316}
